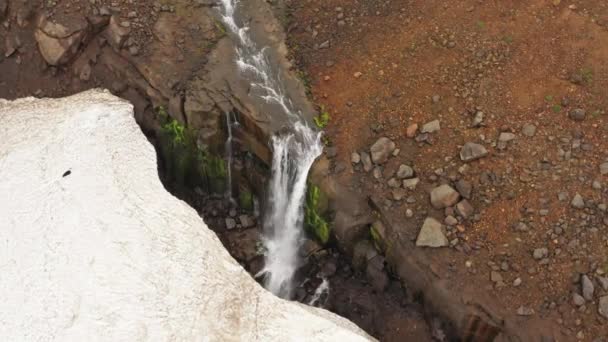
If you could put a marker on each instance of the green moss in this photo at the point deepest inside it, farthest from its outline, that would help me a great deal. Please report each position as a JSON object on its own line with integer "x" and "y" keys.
{"x": 376, "y": 238}
{"x": 556, "y": 108}
{"x": 246, "y": 199}
{"x": 185, "y": 163}
{"x": 314, "y": 221}
{"x": 322, "y": 119}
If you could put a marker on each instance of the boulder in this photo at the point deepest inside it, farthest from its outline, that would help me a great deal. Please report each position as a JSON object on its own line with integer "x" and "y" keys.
{"x": 381, "y": 150}
{"x": 59, "y": 42}
{"x": 431, "y": 234}
{"x": 106, "y": 251}
{"x": 444, "y": 196}
{"x": 472, "y": 151}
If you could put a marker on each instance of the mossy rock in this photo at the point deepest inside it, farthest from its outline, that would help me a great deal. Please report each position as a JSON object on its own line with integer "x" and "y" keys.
{"x": 315, "y": 223}
{"x": 378, "y": 235}
{"x": 246, "y": 199}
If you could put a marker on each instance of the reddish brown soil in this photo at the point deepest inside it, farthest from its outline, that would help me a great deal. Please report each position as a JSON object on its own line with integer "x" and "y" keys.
{"x": 517, "y": 61}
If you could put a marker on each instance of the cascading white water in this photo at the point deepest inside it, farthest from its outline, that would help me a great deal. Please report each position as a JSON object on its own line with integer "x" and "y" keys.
{"x": 293, "y": 156}
{"x": 322, "y": 289}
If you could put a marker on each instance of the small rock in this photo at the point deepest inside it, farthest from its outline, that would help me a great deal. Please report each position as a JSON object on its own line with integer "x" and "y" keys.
{"x": 540, "y": 253}
{"x": 431, "y": 234}
{"x": 246, "y": 221}
{"x": 604, "y": 168}
{"x": 477, "y": 119}
{"x": 517, "y": 282}
{"x": 411, "y": 130}
{"x": 431, "y": 127}
{"x": 587, "y": 287}
{"x": 394, "y": 183}
{"x": 409, "y": 213}
{"x": 355, "y": 158}
{"x": 405, "y": 172}
{"x": 506, "y": 137}
{"x": 578, "y": 202}
{"x": 577, "y": 114}
{"x": 464, "y": 188}
{"x": 528, "y": 130}
{"x": 444, "y": 196}
{"x": 399, "y": 194}
{"x": 411, "y": 183}
{"x": 358, "y": 74}
{"x": 603, "y": 281}
{"x": 377, "y": 172}
{"x": 577, "y": 299}
{"x": 367, "y": 161}
{"x": 381, "y": 150}
{"x": 85, "y": 72}
{"x": 472, "y": 151}
{"x": 464, "y": 208}
{"x": 230, "y": 223}
{"x": 451, "y": 220}
{"x": 602, "y": 307}
{"x": 525, "y": 311}
{"x": 495, "y": 277}
{"x": 436, "y": 98}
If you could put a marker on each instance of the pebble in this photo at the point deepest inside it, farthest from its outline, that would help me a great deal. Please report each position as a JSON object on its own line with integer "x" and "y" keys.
{"x": 604, "y": 168}
{"x": 444, "y": 196}
{"x": 577, "y": 114}
{"x": 472, "y": 151}
{"x": 528, "y": 130}
{"x": 367, "y": 161}
{"x": 464, "y": 208}
{"x": 525, "y": 311}
{"x": 431, "y": 234}
{"x": 578, "y": 202}
{"x": 394, "y": 183}
{"x": 451, "y": 220}
{"x": 587, "y": 287}
{"x": 540, "y": 253}
{"x": 405, "y": 171}
{"x": 411, "y": 131}
{"x": 381, "y": 150}
{"x": 577, "y": 299}
{"x": 409, "y": 213}
{"x": 411, "y": 183}
{"x": 230, "y": 223}
{"x": 355, "y": 158}
{"x": 517, "y": 282}
{"x": 377, "y": 173}
{"x": 431, "y": 127}
{"x": 477, "y": 119}
{"x": 464, "y": 188}
{"x": 602, "y": 307}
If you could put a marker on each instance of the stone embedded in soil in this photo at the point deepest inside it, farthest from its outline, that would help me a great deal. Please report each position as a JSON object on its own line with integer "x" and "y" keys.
{"x": 477, "y": 119}
{"x": 405, "y": 172}
{"x": 431, "y": 234}
{"x": 525, "y": 311}
{"x": 577, "y": 114}
{"x": 464, "y": 208}
{"x": 411, "y": 183}
{"x": 355, "y": 158}
{"x": 495, "y": 277}
{"x": 540, "y": 253}
{"x": 587, "y": 287}
{"x": 450, "y": 220}
{"x": 246, "y": 221}
{"x": 444, "y": 196}
{"x": 604, "y": 168}
{"x": 394, "y": 183}
{"x": 472, "y": 151}
{"x": 603, "y": 281}
{"x": 377, "y": 173}
{"x": 528, "y": 130}
{"x": 411, "y": 130}
{"x": 577, "y": 299}
{"x": 464, "y": 188}
{"x": 431, "y": 127}
{"x": 578, "y": 202}
{"x": 506, "y": 136}
{"x": 230, "y": 223}
{"x": 367, "y": 161}
{"x": 381, "y": 150}
{"x": 602, "y": 307}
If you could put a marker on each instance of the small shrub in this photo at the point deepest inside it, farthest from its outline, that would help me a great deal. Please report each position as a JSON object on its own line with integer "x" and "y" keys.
{"x": 322, "y": 119}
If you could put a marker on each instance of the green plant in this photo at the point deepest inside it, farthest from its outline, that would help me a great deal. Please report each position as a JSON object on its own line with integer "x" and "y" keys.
{"x": 313, "y": 220}
{"x": 246, "y": 200}
{"x": 322, "y": 119}
{"x": 549, "y": 98}
{"x": 556, "y": 108}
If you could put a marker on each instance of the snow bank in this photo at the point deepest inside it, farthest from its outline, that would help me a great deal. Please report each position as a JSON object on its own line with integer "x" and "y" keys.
{"x": 106, "y": 253}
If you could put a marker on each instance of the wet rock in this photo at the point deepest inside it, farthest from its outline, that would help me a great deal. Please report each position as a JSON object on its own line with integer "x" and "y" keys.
{"x": 602, "y": 307}
{"x": 587, "y": 287}
{"x": 115, "y": 33}
{"x": 464, "y": 188}
{"x": 528, "y": 130}
{"x": 431, "y": 234}
{"x": 367, "y": 162}
{"x": 355, "y": 158}
{"x": 577, "y": 114}
{"x": 464, "y": 208}
{"x": 246, "y": 221}
{"x": 230, "y": 223}
{"x": 411, "y": 183}
{"x": 540, "y": 253}
{"x": 59, "y": 42}
{"x": 330, "y": 268}
{"x": 604, "y": 168}
{"x": 472, "y": 151}
{"x": 381, "y": 150}
{"x": 405, "y": 172}
{"x": 577, "y": 299}
{"x": 431, "y": 127}
{"x": 376, "y": 275}
{"x": 444, "y": 196}
{"x": 578, "y": 202}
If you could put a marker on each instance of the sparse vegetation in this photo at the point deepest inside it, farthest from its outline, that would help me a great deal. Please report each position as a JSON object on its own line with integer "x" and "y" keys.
{"x": 322, "y": 120}
{"x": 313, "y": 219}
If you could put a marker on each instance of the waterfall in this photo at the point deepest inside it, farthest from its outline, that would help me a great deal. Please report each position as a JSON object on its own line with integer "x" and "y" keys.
{"x": 293, "y": 156}
{"x": 228, "y": 152}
